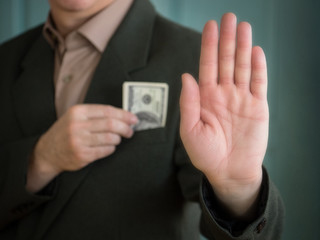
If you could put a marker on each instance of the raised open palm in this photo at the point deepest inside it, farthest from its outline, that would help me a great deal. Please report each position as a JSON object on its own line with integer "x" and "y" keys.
{"x": 224, "y": 118}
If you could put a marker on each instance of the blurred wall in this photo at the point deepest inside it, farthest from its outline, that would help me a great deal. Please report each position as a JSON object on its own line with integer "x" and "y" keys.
{"x": 289, "y": 32}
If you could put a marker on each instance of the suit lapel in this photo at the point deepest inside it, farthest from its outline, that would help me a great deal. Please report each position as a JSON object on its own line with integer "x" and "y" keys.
{"x": 106, "y": 86}
{"x": 133, "y": 38}
{"x": 33, "y": 92}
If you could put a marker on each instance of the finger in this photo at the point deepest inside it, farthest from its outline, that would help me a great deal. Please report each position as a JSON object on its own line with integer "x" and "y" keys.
{"x": 91, "y": 111}
{"x": 227, "y": 48}
{"x": 99, "y": 152}
{"x": 259, "y": 76}
{"x": 103, "y": 139}
{"x": 109, "y": 125}
{"x": 243, "y": 56}
{"x": 189, "y": 104}
{"x": 208, "y": 71}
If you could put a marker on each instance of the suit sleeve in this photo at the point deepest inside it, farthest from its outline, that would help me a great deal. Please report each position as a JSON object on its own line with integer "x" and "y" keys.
{"x": 268, "y": 223}
{"x": 15, "y": 201}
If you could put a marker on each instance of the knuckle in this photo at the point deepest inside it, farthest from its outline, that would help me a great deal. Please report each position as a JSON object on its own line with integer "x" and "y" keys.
{"x": 259, "y": 67}
{"x": 108, "y": 138}
{"x": 108, "y": 110}
{"x": 227, "y": 57}
{"x": 79, "y": 152}
{"x": 83, "y": 157}
{"x": 73, "y": 146}
{"x": 226, "y": 80}
{"x": 71, "y": 129}
{"x": 243, "y": 65}
{"x": 77, "y": 156}
{"x": 86, "y": 125}
{"x": 259, "y": 80}
{"x": 93, "y": 139}
{"x": 77, "y": 111}
{"x": 74, "y": 110}
{"x": 242, "y": 84}
{"x": 110, "y": 124}
{"x": 111, "y": 149}
{"x": 208, "y": 63}
{"x": 114, "y": 139}
{"x": 103, "y": 152}
{"x": 111, "y": 138}
{"x": 118, "y": 139}
{"x": 128, "y": 132}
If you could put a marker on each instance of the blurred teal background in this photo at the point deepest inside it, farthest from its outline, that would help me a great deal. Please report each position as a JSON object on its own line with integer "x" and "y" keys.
{"x": 289, "y": 32}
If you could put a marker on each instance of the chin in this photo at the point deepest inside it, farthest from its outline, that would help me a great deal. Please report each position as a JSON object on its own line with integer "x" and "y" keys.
{"x": 75, "y": 5}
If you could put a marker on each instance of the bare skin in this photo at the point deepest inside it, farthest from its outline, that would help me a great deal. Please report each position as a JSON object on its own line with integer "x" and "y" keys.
{"x": 68, "y": 15}
{"x": 224, "y": 118}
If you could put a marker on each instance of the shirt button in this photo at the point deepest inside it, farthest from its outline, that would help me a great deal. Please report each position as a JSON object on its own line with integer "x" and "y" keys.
{"x": 67, "y": 79}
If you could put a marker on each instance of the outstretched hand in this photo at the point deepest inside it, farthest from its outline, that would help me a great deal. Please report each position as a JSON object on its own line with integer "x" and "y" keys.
{"x": 224, "y": 118}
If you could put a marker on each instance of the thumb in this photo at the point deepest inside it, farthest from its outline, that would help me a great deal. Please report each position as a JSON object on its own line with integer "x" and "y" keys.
{"x": 189, "y": 104}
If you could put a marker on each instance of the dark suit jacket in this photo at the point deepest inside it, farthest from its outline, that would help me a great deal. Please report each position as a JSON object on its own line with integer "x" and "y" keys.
{"x": 141, "y": 191}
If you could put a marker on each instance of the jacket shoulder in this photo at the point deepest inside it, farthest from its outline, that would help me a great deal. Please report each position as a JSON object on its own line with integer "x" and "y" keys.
{"x": 19, "y": 45}
{"x": 178, "y": 34}
{"x": 178, "y": 46}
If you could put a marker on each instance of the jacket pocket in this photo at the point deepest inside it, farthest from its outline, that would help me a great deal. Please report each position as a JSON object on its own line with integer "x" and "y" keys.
{"x": 150, "y": 136}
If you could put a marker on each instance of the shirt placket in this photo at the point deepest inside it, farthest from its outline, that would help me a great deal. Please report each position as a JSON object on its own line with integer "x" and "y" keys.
{"x": 66, "y": 75}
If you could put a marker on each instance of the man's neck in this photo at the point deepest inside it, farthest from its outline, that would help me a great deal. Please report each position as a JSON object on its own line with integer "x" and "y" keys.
{"x": 68, "y": 21}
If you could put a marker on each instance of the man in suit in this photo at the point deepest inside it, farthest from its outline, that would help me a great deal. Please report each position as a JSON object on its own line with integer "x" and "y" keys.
{"x": 71, "y": 165}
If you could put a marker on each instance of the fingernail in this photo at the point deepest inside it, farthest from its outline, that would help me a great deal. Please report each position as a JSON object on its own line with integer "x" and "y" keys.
{"x": 131, "y": 133}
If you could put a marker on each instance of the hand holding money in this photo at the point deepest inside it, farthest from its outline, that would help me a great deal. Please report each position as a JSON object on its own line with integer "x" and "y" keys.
{"x": 81, "y": 136}
{"x": 224, "y": 119}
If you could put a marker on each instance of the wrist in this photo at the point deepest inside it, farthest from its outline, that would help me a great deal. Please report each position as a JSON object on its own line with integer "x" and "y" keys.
{"x": 238, "y": 198}
{"x": 40, "y": 172}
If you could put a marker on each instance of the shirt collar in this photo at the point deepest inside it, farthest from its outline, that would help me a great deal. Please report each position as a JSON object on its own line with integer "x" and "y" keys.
{"x": 98, "y": 30}
{"x": 50, "y": 33}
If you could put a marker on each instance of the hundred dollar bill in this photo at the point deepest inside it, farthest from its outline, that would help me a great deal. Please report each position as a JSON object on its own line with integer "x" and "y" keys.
{"x": 148, "y": 101}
